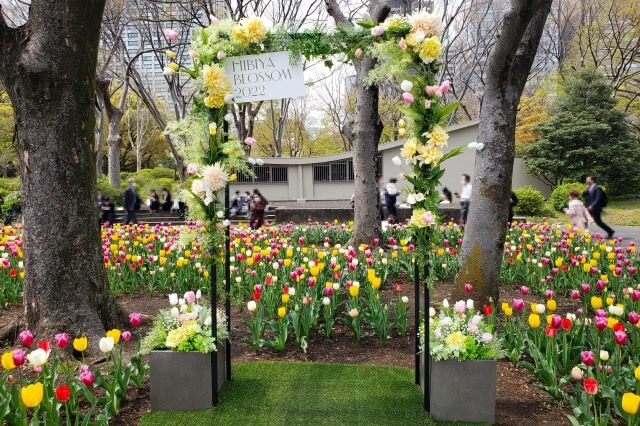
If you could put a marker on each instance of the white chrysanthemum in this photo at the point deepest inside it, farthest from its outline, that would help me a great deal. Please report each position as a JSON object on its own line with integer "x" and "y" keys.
{"x": 429, "y": 23}
{"x": 214, "y": 176}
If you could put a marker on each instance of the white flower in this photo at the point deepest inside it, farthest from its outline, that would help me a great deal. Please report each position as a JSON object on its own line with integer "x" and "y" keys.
{"x": 199, "y": 292}
{"x": 326, "y": 301}
{"x": 228, "y": 98}
{"x": 487, "y": 337}
{"x": 576, "y": 373}
{"x": 251, "y": 305}
{"x": 251, "y": 161}
{"x": 228, "y": 117}
{"x": 259, "y": 161}
{"x": 432, "y": 312}
{"x": 106, "y": 344}
{"x": 419, "y": 196}
{"x": 226, "y": 223}
{"x": 292, "y": 291}
{"x": 215, "y": 176}
{"x": 396, "y": 161}
{"x": 475, "y": 320}
{"x": 175, "y": 312}
{"x": 208, "y": 320}
{"x": 173, "y": 299}
{"x": 428, "y": 23}
{"x": 406, "y": 86}
{"x": 405, "y": 299}
{"x": 469, "y": 303}
{"x": 336, "y": 286}
{"x": 540, "y": 307}
{"x": 168, "y": 71}
{"x": 38, "y": 357}
{"x": 220, "y": 214}
{"x": 411, "y": 199}
{"x": 353, "y": 313}
{"x": 445, "y": 304}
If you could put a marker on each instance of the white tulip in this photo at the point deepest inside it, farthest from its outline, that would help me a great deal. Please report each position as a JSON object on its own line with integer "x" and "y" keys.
{"x": 220, "y": 214}
{"x": 198, "y": 293}
{"x": 259, "y": 161}
{"x": 275, "y": 265}
{"x": 208, "y": 321}
{"x": 445, "y": 304}
{"x": 228, "y": 117}
{"x": 228, "y": 98}
{"x": 406, "y": 86}
{"x": 469, "y": 303}
{"x": 106, "y": 344}
{"x": 396, "y": 161}
{"x": 251, "y": 305}
{"x": 238, "y": 280}
{"x": 419, "y": 197}
{"x": 405, "y": 299}
{"x": 251, "y": 161}
{"x": 411, "y": 199}
{"x": 173, "y": 299}
{"x": 540, "y": 307}
{"x": 38, "y": 357}
{"x": 168, "y": 71}
{"x": 432, "y": 312}
{"x": 604, "y": 356}
{"x": 336, "y": 286}
{"x": 326, "y": 301}
{"x": 175, "y": 312}
{"x": 292, "y": 291}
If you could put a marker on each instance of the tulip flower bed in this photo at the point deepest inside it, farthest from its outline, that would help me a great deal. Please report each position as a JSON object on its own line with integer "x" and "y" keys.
{"x": 41, "y": 384}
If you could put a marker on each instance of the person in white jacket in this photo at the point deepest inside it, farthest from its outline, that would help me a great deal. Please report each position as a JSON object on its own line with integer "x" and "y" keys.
{"x": 579, "y": 216}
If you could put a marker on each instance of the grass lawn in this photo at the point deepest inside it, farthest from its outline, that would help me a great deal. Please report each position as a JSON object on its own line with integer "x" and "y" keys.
{"x": 293, "y": 393}
{"x": 622, "y": 212}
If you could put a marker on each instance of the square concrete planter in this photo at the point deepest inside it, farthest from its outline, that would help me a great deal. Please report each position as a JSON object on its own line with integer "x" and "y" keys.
{"x": 181, "y": 381}
{"x": 462, "y": 390}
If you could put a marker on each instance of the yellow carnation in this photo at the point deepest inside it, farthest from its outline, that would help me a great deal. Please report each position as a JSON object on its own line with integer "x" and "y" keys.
{"x": 249, "y": 30}
{"x": 430, "y": 51}
{"x": 437, "y": 137}
{"x": 456, "y": 339}
{"x": 416, "y": 218}
{"x": 239, "y": 35}
{"x": 409, "y": 149}
{"x": 394, "y": 21}
{"x": 428, "y": 154}
{"x": 215, "y": 80}
{"x": 214, "y": 100}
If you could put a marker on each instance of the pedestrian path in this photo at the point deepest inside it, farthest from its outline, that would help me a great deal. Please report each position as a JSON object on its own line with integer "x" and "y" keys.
{"x": 628, "y": 233}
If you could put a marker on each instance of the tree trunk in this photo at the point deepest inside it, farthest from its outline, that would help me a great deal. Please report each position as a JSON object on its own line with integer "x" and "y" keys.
{"x": 48, "y": 67}
{"x": 114, "y": 141}
{"x": 99, "y": 141}
{"x": 508, "y": 68}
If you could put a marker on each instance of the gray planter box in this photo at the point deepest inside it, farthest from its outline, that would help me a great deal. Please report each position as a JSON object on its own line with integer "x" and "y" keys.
{"x": 181, "y": 381}
{"x": 462, "y": 390}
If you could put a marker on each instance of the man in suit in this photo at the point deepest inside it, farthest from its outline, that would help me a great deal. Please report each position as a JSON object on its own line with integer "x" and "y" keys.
{"x": 593, "y": 201}
{"x": 130, "y": 197}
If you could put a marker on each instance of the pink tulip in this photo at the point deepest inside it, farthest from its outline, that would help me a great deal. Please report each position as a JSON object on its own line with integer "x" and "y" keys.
{"x": 601, "y": 313}
{"x": 62, "y": 340}
{"x": 518, "y": 304}
{"x": 585, "y": 288}
{"x": 556, "y": 321}
{"x": 250, "y": 141}
{"x": 19, "y": 356}
{"x": 86, "y": 378}
{"x": 193, "y": 54}
{"x": 601, "y": 323}
{"x": 575, "y": 294}
{"x": 407, "y": 98}
{"x": 548, "y": 294}
{"x": 587, "y": 358}
{"x": 26, "y": 337}
{"x": 170, "y": 34}
{"x": 427, "y": 104}
{"x": 126, "y": 336}
{"x": 427, "y": 218}
{"x": 377, "y": 31}
{"x": 635, "y": 295}
{"x": 634, "y": 317}
{"x": 135, "y": 318}
{"x": 357, "y": 53}
{"x": 468, "y": 288}
{"x": 621, "y": 337}
{"x": 190, "y": 296}
{"x": 600, "y": 285}
{"x": 444, "y": 87}
{"x": 524, "y": 290}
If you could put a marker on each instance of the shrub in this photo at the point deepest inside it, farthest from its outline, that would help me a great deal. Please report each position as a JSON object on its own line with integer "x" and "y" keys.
{"x": 9, "y": 185}
{"x": 9, "y": 200}
{"x": 530, "y": 202}
{"x": 560, "y": 196}
{"x": 115, "y": 194}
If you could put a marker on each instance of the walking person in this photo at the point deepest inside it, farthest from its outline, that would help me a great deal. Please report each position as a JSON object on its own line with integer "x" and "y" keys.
{"x": 258, "y": 206}
{"x": 390, "y": 198}
{"x": 579, "y": 216}
{"x": 513, "y": 201}
{"x": 130, "y": 199}
{"x": 595, "y": 202}
{"x": 465, "y": 198}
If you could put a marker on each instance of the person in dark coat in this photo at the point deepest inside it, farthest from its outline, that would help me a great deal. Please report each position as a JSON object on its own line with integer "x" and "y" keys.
{"x": 258, "y": 206}
{"x": 130, "y": 199}
{"x": 154, "y": 201}
{"x": 513, "y": 201}
{"x": 594, "y": 201}
{"x": 166, "y": 200}
{"x": 108, "y": 211}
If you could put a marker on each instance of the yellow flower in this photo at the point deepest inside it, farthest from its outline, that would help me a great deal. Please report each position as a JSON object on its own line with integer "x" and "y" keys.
{"x": 174, "y": 66}
{"x": 636, "y": 372}
{"x": 630, "y": 403}
{"x": 375, "y": 282}
{"x": 416, "y": 218}
{"x": 507, "y": 309}
{"x": 429, "y": 154}
{"x": 551, "y": 305}
{"x": 353, "y": 290}
{"x": 233, "y": 177}
{"x": 431, "y": 48}
{"x": 7, "y": 361}
{"x": 282, "y": 311}
{"x": 558, "y": 262}
{"x": 217, "y": 84}
{"x": 80, "y": 344}
{"x": 596, "y": 302}
{"x": 32, "y": 394}
{"x": 438, "y": 136}
{"x": 213, "y": 129}
{"x": 409, "y": 149}
{"x": 171, "y": 54}
{"x": 534, "y": 320}
{"x": 285, "y": 298}
{"x": 249, "y": 30}
{"x": 456, "y": 339}
{"x": 115, "y": 335}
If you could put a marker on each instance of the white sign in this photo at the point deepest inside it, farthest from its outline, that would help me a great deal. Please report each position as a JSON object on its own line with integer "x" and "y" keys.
{"x": 263, "y": 77}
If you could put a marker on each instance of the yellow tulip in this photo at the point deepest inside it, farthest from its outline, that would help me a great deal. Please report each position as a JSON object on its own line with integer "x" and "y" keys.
{"x": 250, "y": 261}
{"x": 596, "y": 302}
{"x": 611, "y": 322}
{"x": 630, "y": 403}
{"x": 233, "y": 177}
{"x": 534, "y": 307}
{"x": 551, "y": 305}
{"x": 289, "y": 252}
{"x": 375, "y": 282}
{"x": 174, "y": 66}
{"x": 32, "y": 394}
{"x": 7, "y": 361}
{"x": 115, "y": 334}
{"x": 285, "y": 298}
{"x": 80, "y": 344}
{"x": 558, "y": 262}
{"x": 315, "y": 270}
{"x": 586, "y": 267}
{"x": 353, "y": 290}
{"x": 636, "y": 372}
{"x": 596, "y": 255}
{"x": 534, "y": 320}
{"x": 282, "y": 311}
{"x": 287, "y": 263}
{"x": 609, "y": 301}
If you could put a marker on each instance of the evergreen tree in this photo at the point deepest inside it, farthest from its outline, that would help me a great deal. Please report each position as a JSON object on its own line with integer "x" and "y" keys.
{"x": 585, "y": 135}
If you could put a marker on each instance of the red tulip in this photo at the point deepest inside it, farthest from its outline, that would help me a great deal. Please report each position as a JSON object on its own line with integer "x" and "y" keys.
{"x": 550, "y": 331}
{"x": 590, "y": 386}
{"x": 618, "y": 327}
{"x": 566, "y": 324}
{"x": 399, "y": 287}
{"x": 487, "y": 309}
{"x": 63, "y": 393}
{"x": 45, "y": 345}
{"x": 256, "y": 295}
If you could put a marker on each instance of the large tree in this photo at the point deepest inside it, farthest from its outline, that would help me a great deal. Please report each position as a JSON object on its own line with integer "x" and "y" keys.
{"x": 585, "y": 134}
{"x": 507, "y": 73}
{"x": 48, "y": 66}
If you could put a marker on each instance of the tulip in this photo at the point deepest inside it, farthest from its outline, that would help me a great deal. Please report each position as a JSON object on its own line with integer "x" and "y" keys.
{"x": 126, "y": 335}
{"x": 38, "y": 357}
{"x": 282, "y": 311}
{"x": 566, "y": 324}
{"x": 518, "y": 304}
{"x": 487, "y": 309}
{"x": 590, "y": 386}
{"x": 620, "y": 337}
{"x": 576, "y": 373}
{"x": 636, "y": 372}
{"x": 601, "y": 323}
{"x": 7, "y": 361}
{"x": 32, "y": 394}
{"x": 135, "y": 319}
{"x": 26, "y": 337}
{"x": 396, "y": 161}
{"x": 551, "y": 305}
{"x": 86, "y": 377}
{"x": 115, "y": 335}
{"x": 357, "y": 53}
{"x": 534, "y": 320}
{"x": 19, "y": 356}
{"x": 353, "y": 290}
{"x": 63, "y": 393}
{"x": 106, "y": 344}
{"x": 407, "y": 98}
{"x": 250, "y": 141}
{"x": 596, "y": 302}
{"x": 80, "y": 344}
{"x": 630, "y": 403}
{"x": 556, "y": 321}
{"x": 587, "y": 358}
{"x": 550, "y": 331}
{"x": 326, "y": 301}
{"x": 404, "y": 299}
{"x": 377, "y": 31}
{"x": 468, "y": 288}
{"x": 173, "y": 299}
{"x": 62, "y": 340}
{"x": 604, "y": 356}
{"x": 251, "y": 305}
{"x": 353, "y": 313}
{"x": 634, "y": 317}
{"x": 524, "y": 290}
{"x": 170, "y": 34}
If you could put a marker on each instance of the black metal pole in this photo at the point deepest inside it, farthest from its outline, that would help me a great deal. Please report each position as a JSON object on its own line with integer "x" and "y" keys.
{"x": 426, "y": 376}
{"x": 416, "y": 285}
{"x": 214, "y": 333}
{"x": 227, "y": 279}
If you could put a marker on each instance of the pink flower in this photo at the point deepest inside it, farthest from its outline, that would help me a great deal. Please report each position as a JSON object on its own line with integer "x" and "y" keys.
{"x": 473, "y": 328}
{"x": 170, "y": 34}
{"x": 250, "y": 141}
{"x": 487, "y": 337}
{"x": 193, "y": 54}
{"x": 427, "y": 218}
{"x": 407, "y": 98}
{"x": 518, "y": 304}
{"x": 214, "y": 20}
{"x": 587, "y": 358}
{"x": 126, "y": 336}
{"x": 524, "y": 290}
{"x": 402, "y": 44}
{"x": 634, "y": 317}
{"x": 402, "y": 176}
{"x": 444, "y": 87}
{"x": 433, "y": 90}
{"x": 86, "y": 377}
{"x": 427, "y": 104}
{"x": 601, "y": 323}
{"x": 19, "y": 356}
{"x": 221, "y": 55}
{"x": 26, "y": 337}
{"x": 357, "y": 53}
{"x": 377, "y": 31}
{"x": 62, "y": 340}
{"x": 190, "y": 296}
{"x": 135, "y": 318}
{"x": 585, "y": 288}
{"x": 37, "y": 369}
{"x": 460, "y": 307}
{"x": 575, "y": 294}
{"x": 548, "y": 293}
{"x": 468, "y": 288}
{"x": 192, "y": 169}
{"x": 621, "y": 337}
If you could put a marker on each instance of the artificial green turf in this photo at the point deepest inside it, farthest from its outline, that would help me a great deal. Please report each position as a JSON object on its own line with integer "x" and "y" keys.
{"x": 293, "y": 393}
